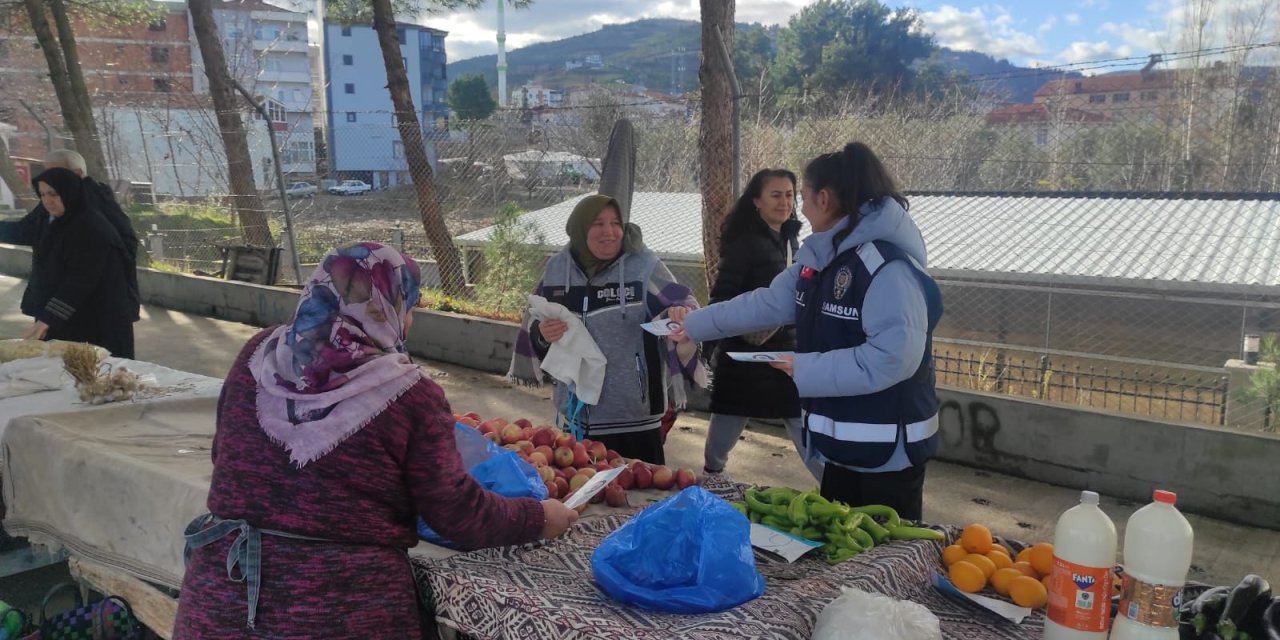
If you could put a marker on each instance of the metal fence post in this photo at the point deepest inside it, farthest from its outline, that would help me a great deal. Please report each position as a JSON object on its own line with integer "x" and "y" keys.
{"x": 156, "y": 240}
{"x": 397, "y": 237}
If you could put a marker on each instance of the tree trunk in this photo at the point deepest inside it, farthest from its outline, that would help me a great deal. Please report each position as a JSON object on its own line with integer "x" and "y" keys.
{"x": 9, "y": 174}
{"x": 90, "y": 145}
{"x": 415, "y": 151}
{"x": 715, "y": 134}
{"x": 71, "y": 116}
{"x": 244, "y": 192}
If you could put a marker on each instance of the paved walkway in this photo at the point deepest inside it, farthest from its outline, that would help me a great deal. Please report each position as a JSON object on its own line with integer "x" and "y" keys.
{"x": 1014, "y": 507}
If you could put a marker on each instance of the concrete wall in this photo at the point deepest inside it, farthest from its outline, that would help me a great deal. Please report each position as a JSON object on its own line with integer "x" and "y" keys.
{"x": 1215, "y": 472}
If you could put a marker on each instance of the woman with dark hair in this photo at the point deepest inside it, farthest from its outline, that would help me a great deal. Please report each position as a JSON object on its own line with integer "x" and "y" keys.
{"x": 757, "y": 242}
{"x": 79, "y": 286}
{"x": 865, "y": 310}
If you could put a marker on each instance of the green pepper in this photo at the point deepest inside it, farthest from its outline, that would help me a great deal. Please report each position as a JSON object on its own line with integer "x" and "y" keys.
{"x": 775, "y": 522}
{"x": 756, "y": 503}
{"x": 915, "y": 533}
{"x": 828, "y": 511}
{"x": 878, "y": 533}
{"x": 754, "y": 517}
{"x": 808, "y": 533}
{"x": 863, "y": 538}
{"x": 846, "y": 541}
{"x": 740, "y": 507}
{"x": 841, "y": 555}
{"x": 773, "y": 493}
{"x": 888, "y": 514}
{"x": 797, "y": 513}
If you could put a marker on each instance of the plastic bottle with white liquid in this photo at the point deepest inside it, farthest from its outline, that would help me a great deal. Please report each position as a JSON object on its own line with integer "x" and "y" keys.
{"x": 1084, "y": 558}
{"x": 1157, "y": 556}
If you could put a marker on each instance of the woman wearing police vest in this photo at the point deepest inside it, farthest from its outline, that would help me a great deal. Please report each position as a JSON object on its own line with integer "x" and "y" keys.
{"x": 864, "y": 309}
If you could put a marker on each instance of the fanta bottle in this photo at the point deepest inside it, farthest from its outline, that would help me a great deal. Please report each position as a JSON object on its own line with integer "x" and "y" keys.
{"x": 1084, "y": 556}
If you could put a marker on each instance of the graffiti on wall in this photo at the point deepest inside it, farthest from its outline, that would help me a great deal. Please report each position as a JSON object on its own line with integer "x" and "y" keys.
{"x": 973, "y": 424}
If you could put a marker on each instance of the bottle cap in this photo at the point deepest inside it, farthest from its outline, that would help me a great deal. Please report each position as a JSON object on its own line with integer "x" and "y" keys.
{"x": 1088, "y": 497}
{"x": 1167, "y": 497}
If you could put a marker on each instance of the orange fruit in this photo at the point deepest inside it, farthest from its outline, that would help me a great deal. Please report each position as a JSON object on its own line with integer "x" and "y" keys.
{"x": 1042, "y": 558}
{"x": 1028, "y": 592}
{"x": 982, "y": 562}
{"x": 1023, "y": 556}
{"x": 967, "y": 577}
{"x": 1001, "y": 560}
{"x": 1025, "y": 569}
{"x": 1045, "y": 582}
{"x": 953, "y": 554}
{"x": 1000, "y": 581}
{"x": 976, "y": 539}
{"x": 1002, "y": 549}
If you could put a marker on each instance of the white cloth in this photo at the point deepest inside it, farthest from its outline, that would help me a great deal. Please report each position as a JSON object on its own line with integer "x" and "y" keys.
{"x": 574, "y": 359}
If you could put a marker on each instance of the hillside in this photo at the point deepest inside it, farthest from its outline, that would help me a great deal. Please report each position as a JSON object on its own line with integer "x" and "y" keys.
{"x": 642, "y": 52}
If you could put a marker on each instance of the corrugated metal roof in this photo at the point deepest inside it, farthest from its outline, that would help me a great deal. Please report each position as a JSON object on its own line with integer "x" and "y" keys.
{"x": 1195, "y": 241}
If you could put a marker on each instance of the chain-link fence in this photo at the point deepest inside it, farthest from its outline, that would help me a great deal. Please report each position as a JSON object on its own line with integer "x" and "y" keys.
{"x": 1143, "y": 264}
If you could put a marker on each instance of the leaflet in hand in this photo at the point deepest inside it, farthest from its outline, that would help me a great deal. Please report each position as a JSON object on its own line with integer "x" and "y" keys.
{"x": 761, "y": 356}
{"x": 661, "y": 327}
{"x": 592, "y": 487}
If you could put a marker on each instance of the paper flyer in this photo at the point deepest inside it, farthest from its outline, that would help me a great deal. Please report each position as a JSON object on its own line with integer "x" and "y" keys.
{"x": 593, "y": 486}
{"x": 661, "y": 327}
{"x": 785, "y": 545}
{"x": 761, "y": 356}
{"x": 1009, "y": 611}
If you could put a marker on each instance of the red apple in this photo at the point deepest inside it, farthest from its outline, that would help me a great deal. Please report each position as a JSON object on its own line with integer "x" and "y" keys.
{"x": 562, "y": 488}
{"x": 603, "y": 465}
{"x": 547, "y": 452}
{"x": 580, "y": 457}
{"x": 618, "y": 462}
{"x": 577, "y": 482}
{"x": 543, "y": 437}
{"x": 626, "y": 479}
{"x": 494, "y": 437}
{"x": 538, "y": 460}
{"x": 644, "y": 477}
{"x": 511, "y": 447}
{"x": 611, "y": 455}
{"x": 525, "y": 446}
{"x": 588, "y": 472}
{"x": 663, "y": 478}
{"x": 615, "y": 495}
{"x": 473, "y": 415}
{"x": 565, "y": 440}
{"x": 552, "y": 491}
{"x": 564, "y": 457}
{"x": 523, "y": 423}
{"x": 473, "y": 424}
{"x": 511, "y": 434}
{"x": 597, "y": 451}
{"x": 496, "y": 423}
{"x": 526, "y": 433}
{"x": 547, "y": 474}
{"x": 685, "y": 479}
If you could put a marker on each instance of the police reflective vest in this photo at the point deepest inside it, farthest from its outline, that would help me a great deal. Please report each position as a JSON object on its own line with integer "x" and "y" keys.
{"x": 864, "y": 431}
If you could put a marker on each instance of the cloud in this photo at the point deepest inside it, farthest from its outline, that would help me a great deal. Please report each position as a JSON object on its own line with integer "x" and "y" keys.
{"x": 1081, "y": 51}
{"x": 973, "y": 30}
{"x": 1072, "y": 18}
{"x": 1047, "y": 25}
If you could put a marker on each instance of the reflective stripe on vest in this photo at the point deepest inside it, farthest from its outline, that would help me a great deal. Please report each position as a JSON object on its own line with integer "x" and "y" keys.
{"x": 869, "y": 432}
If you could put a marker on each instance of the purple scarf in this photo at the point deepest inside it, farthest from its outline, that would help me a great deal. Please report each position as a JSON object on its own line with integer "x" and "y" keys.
{"x": 342, "y": 360}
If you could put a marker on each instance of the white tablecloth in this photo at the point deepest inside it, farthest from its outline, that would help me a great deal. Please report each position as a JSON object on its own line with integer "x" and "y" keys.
{"x": 114, "y": 483}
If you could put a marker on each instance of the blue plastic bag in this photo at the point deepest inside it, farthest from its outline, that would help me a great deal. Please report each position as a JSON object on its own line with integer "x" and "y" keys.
{"x": 690, "y": 553}
{"x": 496, "y": 469}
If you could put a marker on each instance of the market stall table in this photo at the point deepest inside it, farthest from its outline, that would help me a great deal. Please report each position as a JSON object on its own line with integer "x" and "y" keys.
{"x": 546, "y": 591}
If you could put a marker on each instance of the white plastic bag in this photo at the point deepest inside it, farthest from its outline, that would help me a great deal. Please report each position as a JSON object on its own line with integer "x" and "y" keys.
{"x": 858, "y": 614}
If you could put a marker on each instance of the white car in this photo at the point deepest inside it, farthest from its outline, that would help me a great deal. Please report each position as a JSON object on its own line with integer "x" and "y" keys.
{"x": 351, "y": 188}
{"x": 300, "y": 189}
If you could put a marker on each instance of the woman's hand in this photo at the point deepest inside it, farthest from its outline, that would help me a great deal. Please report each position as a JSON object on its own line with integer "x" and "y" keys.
{"x": 559, "y": 518}
{"x": 552, "y": 330}
{"x": 678, "y": 314}
{"x": 785, "y": 364}
{"x": 37, "y": 331}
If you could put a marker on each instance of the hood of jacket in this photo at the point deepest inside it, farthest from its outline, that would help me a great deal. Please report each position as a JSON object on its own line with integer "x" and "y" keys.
{"x": 884, "y": 220}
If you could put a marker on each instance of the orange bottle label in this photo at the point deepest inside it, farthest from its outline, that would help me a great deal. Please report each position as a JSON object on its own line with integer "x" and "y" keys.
{"x": 1080, "y": 597}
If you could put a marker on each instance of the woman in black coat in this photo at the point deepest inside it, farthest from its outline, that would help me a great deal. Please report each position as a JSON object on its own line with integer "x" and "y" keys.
{"x": 79, "y": 289}
{"x": 757, "y": 243}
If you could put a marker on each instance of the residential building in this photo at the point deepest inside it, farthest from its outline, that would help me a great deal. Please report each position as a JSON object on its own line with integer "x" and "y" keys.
{"x": 532, "y": 96}
{"x": 267, "y": 52}
{"x": 363, "y": 140}
{"x": 1045, "y": 125}
{"x": 141, "y": 65}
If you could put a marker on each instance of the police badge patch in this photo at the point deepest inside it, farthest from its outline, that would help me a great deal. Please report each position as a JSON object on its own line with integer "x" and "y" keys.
{"x": 844, "y": 278}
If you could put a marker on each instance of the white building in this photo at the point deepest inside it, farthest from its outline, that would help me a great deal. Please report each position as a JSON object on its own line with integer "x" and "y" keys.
{"x": 532, "y": 96}
{"x": 364, "y": 143}
{"x": 267, "y": 51}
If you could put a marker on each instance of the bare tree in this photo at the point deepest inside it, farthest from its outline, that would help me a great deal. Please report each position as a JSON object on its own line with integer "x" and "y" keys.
{"x": 244, "y": 191}
{"x": 415, "y": 151}
{"x": 715, "y": 140}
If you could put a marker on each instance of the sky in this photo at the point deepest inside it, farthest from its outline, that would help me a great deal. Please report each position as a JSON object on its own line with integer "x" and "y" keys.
{"x": 1026, "y": 32}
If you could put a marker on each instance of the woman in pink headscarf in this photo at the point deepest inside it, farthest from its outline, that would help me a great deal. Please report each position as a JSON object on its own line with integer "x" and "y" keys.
{"x": 330, "y": 443}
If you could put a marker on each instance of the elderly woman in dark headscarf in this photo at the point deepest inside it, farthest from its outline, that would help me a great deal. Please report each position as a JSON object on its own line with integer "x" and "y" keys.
{"x": 611, "y": 282}
{"x": 79, "y": 287}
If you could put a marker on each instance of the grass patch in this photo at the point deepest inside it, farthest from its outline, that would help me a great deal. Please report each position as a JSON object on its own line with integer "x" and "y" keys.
{"x": 439, "y": 301}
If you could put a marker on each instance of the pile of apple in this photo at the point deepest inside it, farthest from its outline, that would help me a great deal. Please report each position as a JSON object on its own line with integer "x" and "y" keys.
{"x": 566, "y": 464}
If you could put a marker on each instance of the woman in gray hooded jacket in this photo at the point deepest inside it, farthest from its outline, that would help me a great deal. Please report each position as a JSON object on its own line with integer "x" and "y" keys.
{"x": 614, "y": 284}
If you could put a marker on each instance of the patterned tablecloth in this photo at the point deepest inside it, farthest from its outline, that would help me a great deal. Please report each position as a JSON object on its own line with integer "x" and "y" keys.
{"x": 546, "y": 591}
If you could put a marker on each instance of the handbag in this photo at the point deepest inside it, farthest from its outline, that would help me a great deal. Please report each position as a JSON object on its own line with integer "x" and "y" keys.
{"x": 108, "y": 619}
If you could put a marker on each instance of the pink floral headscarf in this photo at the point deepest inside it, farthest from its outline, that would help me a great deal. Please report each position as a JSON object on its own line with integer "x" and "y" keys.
{"x": 342, "y": 360}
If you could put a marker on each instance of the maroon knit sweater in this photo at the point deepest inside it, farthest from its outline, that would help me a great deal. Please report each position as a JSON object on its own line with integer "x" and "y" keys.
{"x": 363, "y": 496}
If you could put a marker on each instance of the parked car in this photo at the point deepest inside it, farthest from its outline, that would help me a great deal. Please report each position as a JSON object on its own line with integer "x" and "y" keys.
{"x": 300, "y": 189}
{"x": 351, "y": 188}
